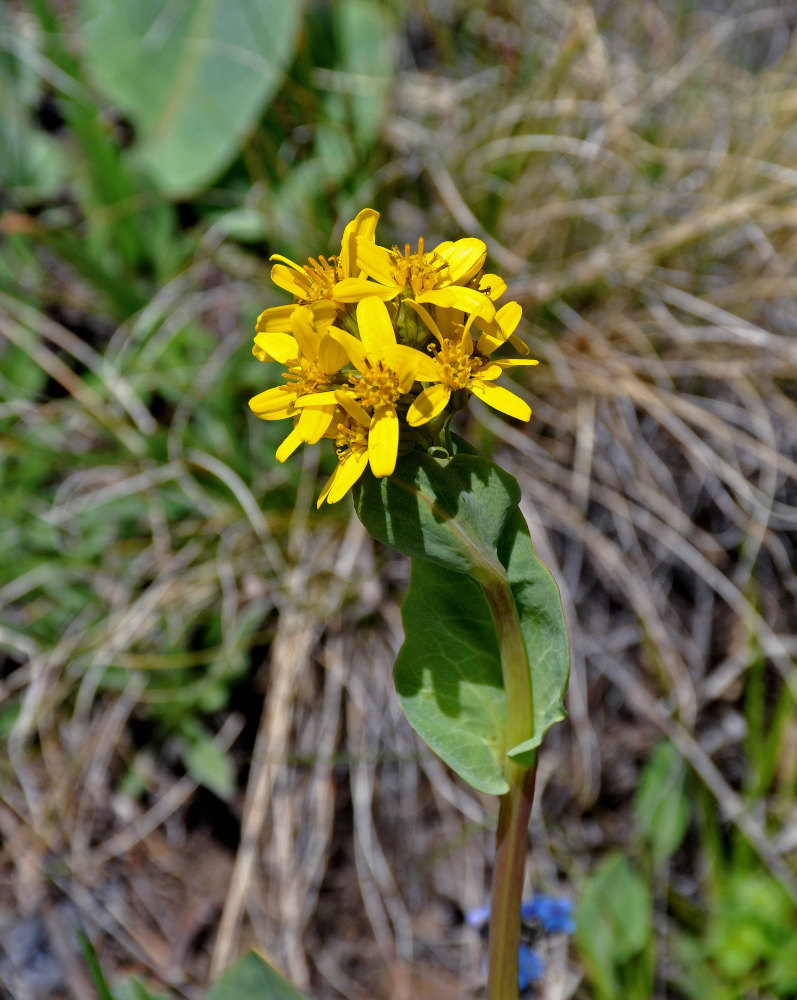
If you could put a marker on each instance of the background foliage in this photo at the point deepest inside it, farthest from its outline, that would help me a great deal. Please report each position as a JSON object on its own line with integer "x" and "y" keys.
{"x": 203, "y": 750}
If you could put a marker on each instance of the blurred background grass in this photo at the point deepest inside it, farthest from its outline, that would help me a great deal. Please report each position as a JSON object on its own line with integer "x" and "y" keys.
{"x": 202, "y": 746}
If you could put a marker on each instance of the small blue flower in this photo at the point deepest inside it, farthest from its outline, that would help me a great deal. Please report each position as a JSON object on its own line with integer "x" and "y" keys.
{"x": 530, "y": 967}
{"x": 554, "y": 913}
{"x": 478, "y": 917}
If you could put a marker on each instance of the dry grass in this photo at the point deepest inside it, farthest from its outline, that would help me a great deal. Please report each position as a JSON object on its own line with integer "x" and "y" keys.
{"x": 638, "y": 192}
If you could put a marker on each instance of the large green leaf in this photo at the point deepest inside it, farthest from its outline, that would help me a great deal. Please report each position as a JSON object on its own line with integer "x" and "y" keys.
{"x": 252, "y": 978}
{"x": 459, "y": 520}
{"x": 448, "y": 674}
{"x": 193, "y": 75}
{"x": 367, "y": 47}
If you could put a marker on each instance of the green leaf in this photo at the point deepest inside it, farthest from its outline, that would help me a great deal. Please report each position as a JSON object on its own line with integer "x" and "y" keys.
{"x": 661, "y": 805}
{"x": 93, "y": 965}
{"x": 543, "y": 626}
{"x": 614, "y": 923}
{"x": 367, "y": 55}
{"x": 252, "y": 978}
{"x": 458, "y": 517}
{"x": 449, "y": 510}
{"x": 194, "y": 76}
{"x": 448, "y": 674}
{"x": 205, "y": 762}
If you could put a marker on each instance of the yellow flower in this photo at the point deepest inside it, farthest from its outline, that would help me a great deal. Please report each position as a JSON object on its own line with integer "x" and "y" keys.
{"x": 319, "y": 278}
{"x": 313, "y": 359}
{"x": 437, "y": 277}
{"x": 455, "y": 365}
{"x": 386, "y": 371}
{"x": 351, "y": 445}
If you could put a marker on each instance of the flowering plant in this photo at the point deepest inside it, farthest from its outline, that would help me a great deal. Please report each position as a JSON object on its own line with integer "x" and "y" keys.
{"x": 380, "y": 348}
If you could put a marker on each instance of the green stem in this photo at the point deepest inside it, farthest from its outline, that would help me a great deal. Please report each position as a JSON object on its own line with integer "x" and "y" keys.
{"x": 515, "y": 805}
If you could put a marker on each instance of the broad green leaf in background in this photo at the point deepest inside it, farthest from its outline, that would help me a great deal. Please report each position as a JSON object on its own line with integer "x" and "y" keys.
{"x": 252, "y": 978}
{"x": 193, "y": 75}
{"x": 367, "y": 49}
{"x": 31, "y": 165}
{"x": 459, "y": 520}
{"x": 661, "y": 804}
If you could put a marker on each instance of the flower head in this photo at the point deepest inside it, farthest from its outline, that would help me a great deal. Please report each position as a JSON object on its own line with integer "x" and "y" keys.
{"x": 380, "y": 347}
{"x": 457, "y": 363}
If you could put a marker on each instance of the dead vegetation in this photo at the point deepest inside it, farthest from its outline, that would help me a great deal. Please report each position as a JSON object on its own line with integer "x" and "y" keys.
{"x": 640, "y": 198}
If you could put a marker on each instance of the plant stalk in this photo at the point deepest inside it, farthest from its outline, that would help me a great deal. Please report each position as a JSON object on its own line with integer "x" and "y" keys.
{"x": 515, "y": 805}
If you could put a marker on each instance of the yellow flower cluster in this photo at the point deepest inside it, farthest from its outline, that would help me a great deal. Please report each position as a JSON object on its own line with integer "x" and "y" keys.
{"x": 380, "y": 346}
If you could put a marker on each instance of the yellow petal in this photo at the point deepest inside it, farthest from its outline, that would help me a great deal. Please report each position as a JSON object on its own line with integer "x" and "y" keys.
{"x": 286, "y": 260}
{"x": 273, "y": 404}
{"x": 383, "y": 438}
{"x": 355, "y": 289}
{"x": 326, "y": 488}
{"x": 364, "y": 225}
{"x": 289, "y": 445}
{"x": 324, "y": 312}
{"x": 447, "y": 321}
{"x": 280, "y": 347}
{"x": 405, "y": 362}
{"x": 275, "y": 320}
{"x": 376, "y": 330}
{"x": 353, "y": 408}
{"x": 303, "y": 330}
{"x": 352, "y": 346}
{"x": 287, "y": 279}
{"x": 465, "y": 338}
{"x": 493, "y": 285}
{"x": 326, "y": 398}
{"x": 347, "y": 474}
{"x": 491, "y": 372}
{"x": 376, "y": 262}
{"x": 508, "y": 317}
{"x": 464, "y": 258}
{"x": 455, "y": 297}
{"x": 331, "y": 355}
{"x": 518, "y": 344}
{"x": 514, "y": 362}
{"x": 501, "y": 399}
{"x": 489, "y": 342}
{"x": 428, "y": 369}
{"x": 313, "y": 422}
{"x": 430, "y": 402}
